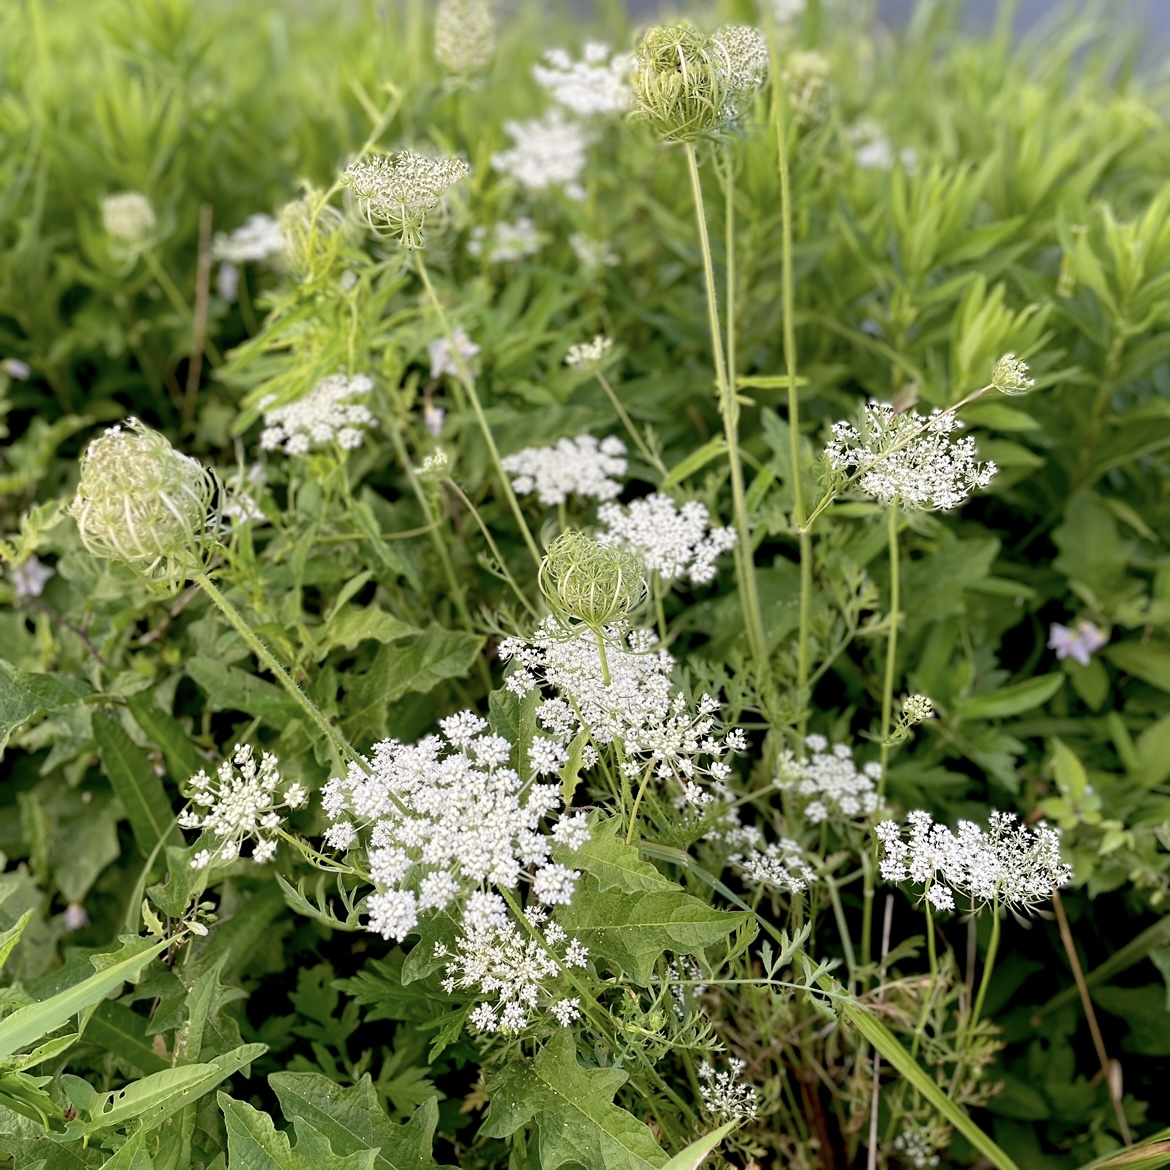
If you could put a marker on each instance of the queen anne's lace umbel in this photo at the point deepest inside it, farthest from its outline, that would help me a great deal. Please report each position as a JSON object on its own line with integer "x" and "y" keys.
{"x": 597, "y": 84}
{"x": 321, "y": 417}
{"x": 571, "y": 467}
{"x": 909, "y": 460}
{"x": 546, "y": 152}
{"x": 671, "y": 541}
{"x": 828, "y": 779}
{"x": 446, "y": 817}
{"x": 1006, "y": 864}
{"x": 625, "y": 699}
{"x": 724, "y": 1096}
{"x": 239, "y": 802}
{"x": 257, "y": 238}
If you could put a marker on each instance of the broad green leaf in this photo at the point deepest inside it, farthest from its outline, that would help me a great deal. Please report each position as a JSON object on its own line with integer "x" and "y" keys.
{"x": 353, "y": 625}
{"x": 698, "y": 1151}
{"x": 168, "y": 734}
{"x": 885, "y": 1042}
{"x": 613, "y": 863}
{"x": 515, "y": 719}
{"x": 132, "y": 1155}
{"x": 1010, "y": 700}
{"x": 233, "y": 689}
{"x": 134, "y": 781}
{"x": 9, "y": 938}
{"x": 1148, "y": 661}
{"x": 254, "y": 1143}
{"x": 23, "y": 695}
{"x": 632, "y": 930}
{"x": 576, "y": 1119}
{"x": 27, "y": 1025}
{"x": 1153, "y": 749}
{"x": 152, "y": 1092}
{"x": 713, "y": 449}
{"x": 353, "y": 1120}
{"x": 121, "y": 1031}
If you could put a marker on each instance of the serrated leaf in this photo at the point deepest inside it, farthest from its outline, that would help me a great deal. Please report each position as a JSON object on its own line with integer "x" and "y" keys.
{"x": 613, "y": 863}
{"x": 138, "y": 788}
{"x": 1011, "y": 700}
{"x": 632, "y": 930}
{"x": 23, "y": 695}
{"x": 231, "y": 689}
{"x": 515, "y": 719}
{"x": 352, "y": 1120}
{"x": 576, "y": 1119}
{"x": 353, "y": 625}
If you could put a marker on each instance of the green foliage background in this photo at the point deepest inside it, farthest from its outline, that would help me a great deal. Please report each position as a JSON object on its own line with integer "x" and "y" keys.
{"x": 1036, "y": 220}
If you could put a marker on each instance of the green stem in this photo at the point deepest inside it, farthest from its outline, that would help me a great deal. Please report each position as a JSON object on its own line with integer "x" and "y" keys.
{"x": 988, "y": 966}
{"x": 469, "y": 386}
{"x": 929, "y": 997}
{"x": 344, "y": 748}
{"x": 745, "y": 561}
{"x": 179, "y": 303}
{"x": 628, "y": 423}
{"x": 637, "y": 803}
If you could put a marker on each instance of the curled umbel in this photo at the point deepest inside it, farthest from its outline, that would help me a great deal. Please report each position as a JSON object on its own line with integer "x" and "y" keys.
{"x": 145, "y": 504}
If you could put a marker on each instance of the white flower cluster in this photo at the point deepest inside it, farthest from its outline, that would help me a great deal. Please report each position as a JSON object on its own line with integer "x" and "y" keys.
{"x": 831, "y": 778}
{"x": 909, "y": 460}
{"x": 593, "y": 255}
{"x": 546, "y": 152}
{"x": 1007, "y": 864}
{"x": 780, "y": 864}
{"x": 571, "y": 467}
{"x": 129, "y": 219}
{"x": 397, "y": 191}
{"x": 505, "y": 242}
{"x": 465, "y": 36}
{"x": 872, "y": 149}
{"x": 671, "y": 541}
{"x": 447, "y": 816}
{"x": 445, "y": 356}
{"x": 257, "y": 238}
{"x": 725, "y": 1098}
{"x": 917, "y": 1148}
{"x": 494, "y": 956}
{"x": 322, "y": 416}
{"x": 589, "y": 353}
{"x": 1010, "y": 376}
{"x": 597, "y": 84}
{"x": 626, "y": 699}
{"x": 238, "y": 802}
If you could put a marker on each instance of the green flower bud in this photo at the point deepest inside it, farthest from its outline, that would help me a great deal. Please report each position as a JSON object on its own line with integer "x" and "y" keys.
{"x": 584, "y": 580}
{"x": 688, "y": 85}
{"x": 806, "y": 78}
{"x": 313, "y": 235}
{"x": 143, "y": 503}
{"x": 129, "y": 220}
{"x": 1010, "y": 375}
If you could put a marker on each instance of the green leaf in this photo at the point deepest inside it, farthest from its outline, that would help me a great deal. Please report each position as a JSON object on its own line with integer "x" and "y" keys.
{"x": 613, "y": 863}
{"x": 632, "y": 930}
{"x": 573, "y": 1109}
{"x": 231, "y": 689}
{"x": 353, "y": 625}
{"x": 1011, "y": 700}
{"x": 887, "y": 1044}
{"x": 1152, "y": 1154}
{"x": 29, "y": 1024}
{"x": 419, "y": 666}
{"x": 352, "y": 1120}
{"x": 571, "y": 771}
{"x": 1148, "y": 661}
{"x": 515, "y": 719}
{"x": 132, "y": 1156}
{"x": 254, "y": 1143}
{"x": 696, "y": 1153}
{"x": 714, "y": 448}
{"x": 9, "y": 938}
{"x": 138, "y": 788}
{"x": 168, "y": 734}
{"x": 117, "y": 1029}
{"x": 23, "y": 695}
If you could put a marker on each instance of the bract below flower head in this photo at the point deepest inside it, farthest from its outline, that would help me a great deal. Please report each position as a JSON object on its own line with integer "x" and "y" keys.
{"x": 143, "y": 503}
{"x": 396, "y": 192}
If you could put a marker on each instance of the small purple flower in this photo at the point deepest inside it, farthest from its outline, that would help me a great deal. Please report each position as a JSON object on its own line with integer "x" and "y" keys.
{"x": 16, "y": 369}
{"x": 29, "y": 579}
{"x": 1078, "y": 644}
{"x": 75, "y": 916}
{"x": 443, "y": 360}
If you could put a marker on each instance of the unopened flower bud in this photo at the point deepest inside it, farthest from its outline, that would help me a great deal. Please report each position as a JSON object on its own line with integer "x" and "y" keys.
{"x": 313, "y": 233}
{"x": 1011, "y": 375}
{"x": 129, "y": 219}
{"x": 143, "y": 503}
{"x": 596, "y": 585}
{"x": 465, "y": 36}
{"x": 806, "y": 78}
{"x": 916, "y": 709}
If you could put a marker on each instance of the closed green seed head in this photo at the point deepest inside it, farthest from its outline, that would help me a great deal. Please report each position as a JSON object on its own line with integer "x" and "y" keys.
{"x": 143, "y": 503}
{"x": 596, "y": 585}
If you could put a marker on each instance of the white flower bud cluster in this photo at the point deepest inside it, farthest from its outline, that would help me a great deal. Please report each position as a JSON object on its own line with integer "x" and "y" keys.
{"x": 549, "y": 151}
{"x": 441, "y": 818}
{"x": 1006, "y": 864}
{"x": 623, "y": 698}
{"x": 571, "y": 467}
{"x": 494, "y": 956}
{"x": 1010, "y": 376}
{"x": 465, "y": 36}
{"x": 322, "y": 416}
{"x": 257, "y": 238}
{"x": 836, "y": 788}
{"x": 917, "y": 1148}
{"x": 589, "y": 353}
{"x": 237, "y": 803}
{"x": 396, "y": 192}
{"x": 909, "y": 460}
{"x": 724, "y": 1096}
{"x": 779, "y": 864}
{"x": 597, "y": 84}
{"x": 671, "y": 541}
{"x": 129, "y": 219}
{"x": 806, "y": 78}
{"x": 505, "y": 242}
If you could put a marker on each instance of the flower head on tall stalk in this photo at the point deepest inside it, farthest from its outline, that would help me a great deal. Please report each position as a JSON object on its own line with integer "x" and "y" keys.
{"x": 690, "y": 85}
{"x": 465, "y": 36}
{"x": 129, "y": 221}
{"x": 397, "y": 192}
{"x": 322, "y": 416}
{"x": 584, "y": 467}
{"x": 145, "y": 504}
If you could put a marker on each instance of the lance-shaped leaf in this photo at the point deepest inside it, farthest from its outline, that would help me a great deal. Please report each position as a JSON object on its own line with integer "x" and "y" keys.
{"x": 573, "y": 1109}
{"x": 254, "y": 1143}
